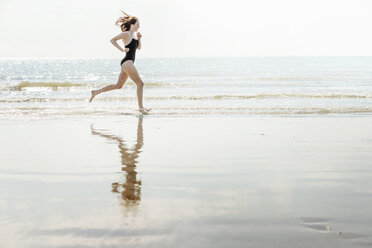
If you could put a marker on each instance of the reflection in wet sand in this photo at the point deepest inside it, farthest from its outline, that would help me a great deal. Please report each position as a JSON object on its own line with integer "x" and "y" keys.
{"x": 130, "y": 188}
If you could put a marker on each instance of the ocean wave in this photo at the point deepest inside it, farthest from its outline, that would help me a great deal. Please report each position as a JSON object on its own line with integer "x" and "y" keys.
{"x": 294, "y": 78}
{"x": 239, "y": 85}
{"x": 53, "y": 85}
{"x": 18, "y": 99}
{"x": 65, "y": 85}
{"x": 179, "y": 111}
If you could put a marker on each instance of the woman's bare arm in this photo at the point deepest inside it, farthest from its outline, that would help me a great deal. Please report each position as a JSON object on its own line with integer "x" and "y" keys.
{"x": 139, "y": 44}
{"x": 119, "y": 37}
{"x": 139, "y": 37}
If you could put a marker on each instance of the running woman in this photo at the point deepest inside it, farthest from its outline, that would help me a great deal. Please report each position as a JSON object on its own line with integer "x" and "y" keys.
{"x": 129, "y": 26}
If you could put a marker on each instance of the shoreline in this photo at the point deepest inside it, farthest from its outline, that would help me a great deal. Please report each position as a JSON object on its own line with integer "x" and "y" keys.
{"x": 243, "y": 181}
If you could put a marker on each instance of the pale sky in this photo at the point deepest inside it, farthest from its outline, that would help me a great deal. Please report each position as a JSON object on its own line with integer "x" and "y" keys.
{"x": 187, "y": 28}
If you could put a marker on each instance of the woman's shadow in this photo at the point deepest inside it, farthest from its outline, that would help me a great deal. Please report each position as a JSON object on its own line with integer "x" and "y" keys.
{"x": 130, "y": 188}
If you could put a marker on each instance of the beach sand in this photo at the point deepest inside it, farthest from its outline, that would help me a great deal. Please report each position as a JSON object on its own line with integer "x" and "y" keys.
{"x": 208, "y": 181}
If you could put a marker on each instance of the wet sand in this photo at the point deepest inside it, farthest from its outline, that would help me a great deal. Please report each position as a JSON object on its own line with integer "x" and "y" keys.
{"x": 257, "y": 181}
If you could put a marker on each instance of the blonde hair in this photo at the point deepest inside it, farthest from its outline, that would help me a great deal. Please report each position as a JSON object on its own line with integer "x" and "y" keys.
{"x": 125, "y": 21}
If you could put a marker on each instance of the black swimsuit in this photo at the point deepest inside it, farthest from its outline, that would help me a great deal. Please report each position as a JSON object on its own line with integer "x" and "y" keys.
{"x": 131, "y": 54}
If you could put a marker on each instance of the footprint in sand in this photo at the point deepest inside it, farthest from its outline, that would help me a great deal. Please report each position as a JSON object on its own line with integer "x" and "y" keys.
{"x": 319, "y": 224}
{"x": 350, "y": 235}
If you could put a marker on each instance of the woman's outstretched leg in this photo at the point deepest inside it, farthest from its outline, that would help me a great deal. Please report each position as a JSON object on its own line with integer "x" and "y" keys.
{"x": 122, "y": 78}
{"x": 131, "y": 70}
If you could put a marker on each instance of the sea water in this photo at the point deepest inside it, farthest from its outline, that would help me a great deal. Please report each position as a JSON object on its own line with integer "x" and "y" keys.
{"x": 49, "y": 87}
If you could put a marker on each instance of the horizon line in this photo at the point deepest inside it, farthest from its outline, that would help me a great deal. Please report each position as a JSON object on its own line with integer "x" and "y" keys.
{"x": 158, "y": 57}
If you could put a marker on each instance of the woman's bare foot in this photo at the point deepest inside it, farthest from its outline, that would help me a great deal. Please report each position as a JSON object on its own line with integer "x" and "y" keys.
{"x": 144, "y": 109}
{"x": 94, "y": 93}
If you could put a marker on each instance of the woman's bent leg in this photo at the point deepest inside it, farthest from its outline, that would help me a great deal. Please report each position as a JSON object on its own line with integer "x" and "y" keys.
{"x": 122, "y": 78}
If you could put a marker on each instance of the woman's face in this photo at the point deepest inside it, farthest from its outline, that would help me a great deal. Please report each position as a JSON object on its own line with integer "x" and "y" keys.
{"x": 136, "y": 25}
